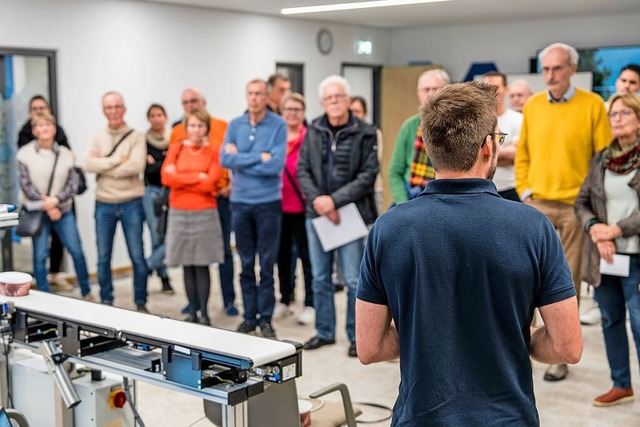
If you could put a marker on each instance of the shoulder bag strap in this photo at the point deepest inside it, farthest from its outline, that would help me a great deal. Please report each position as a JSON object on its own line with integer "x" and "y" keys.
{"x": 115, "y": 147}
{"x": 53, "y": 171}
{"x": 293, "y": 184}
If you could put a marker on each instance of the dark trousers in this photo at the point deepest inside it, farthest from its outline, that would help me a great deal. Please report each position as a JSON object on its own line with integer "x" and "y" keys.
{"x": 257, "y": 231}
{"x": 57, "y": 253}
{"x": 226, "y": 269}
{"x": 294, "y": 230}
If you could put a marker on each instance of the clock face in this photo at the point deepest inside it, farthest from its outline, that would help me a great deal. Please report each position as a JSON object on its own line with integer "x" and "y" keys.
{"x": 324, "y": 40}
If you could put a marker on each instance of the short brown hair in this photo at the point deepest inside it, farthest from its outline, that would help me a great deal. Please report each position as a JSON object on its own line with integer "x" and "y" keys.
{"x": 295, "y": 96}
{"x": 631, "y": 100}
{"x": 43, "y": 115}
{"x": 455, "y": 122}
{"x": 199, "y": 114}
{"x": 503, "y": 76}
{"x": 273, "y": 78}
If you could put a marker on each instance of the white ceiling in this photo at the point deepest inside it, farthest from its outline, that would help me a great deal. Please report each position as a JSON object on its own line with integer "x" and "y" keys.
{"x": 452, "y": 12}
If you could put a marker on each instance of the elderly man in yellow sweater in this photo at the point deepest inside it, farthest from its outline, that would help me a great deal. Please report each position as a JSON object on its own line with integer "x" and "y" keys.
{"x": 118, "y": 156}
{"x": 563, "y": 128}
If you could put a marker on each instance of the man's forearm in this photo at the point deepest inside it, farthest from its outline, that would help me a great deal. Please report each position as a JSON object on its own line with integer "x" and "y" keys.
{"x": 388, "y": 348}
{"x": 543, "y": 350}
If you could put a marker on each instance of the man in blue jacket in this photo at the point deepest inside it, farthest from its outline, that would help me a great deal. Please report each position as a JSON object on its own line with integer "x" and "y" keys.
{"x": 254, "y": 150}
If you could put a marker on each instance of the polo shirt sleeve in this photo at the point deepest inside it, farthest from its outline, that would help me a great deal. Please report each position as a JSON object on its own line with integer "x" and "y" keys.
{"x": 370, "y": 288}
{"x": 556, "y": 283}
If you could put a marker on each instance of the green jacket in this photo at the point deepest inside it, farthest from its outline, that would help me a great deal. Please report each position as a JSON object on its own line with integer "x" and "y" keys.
{"x": 400, "y": 167}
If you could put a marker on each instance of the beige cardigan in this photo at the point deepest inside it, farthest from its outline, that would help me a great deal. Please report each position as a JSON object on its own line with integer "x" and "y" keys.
{"x": 117, "y": 182}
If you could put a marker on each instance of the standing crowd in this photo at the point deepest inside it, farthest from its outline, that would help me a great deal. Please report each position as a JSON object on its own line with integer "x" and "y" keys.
{"x": 564, "y": 199}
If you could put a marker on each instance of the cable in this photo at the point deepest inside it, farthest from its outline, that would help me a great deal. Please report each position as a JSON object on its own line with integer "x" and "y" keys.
{"x": 378, "y": 406}
{"x": 197, "y": 421}
{"x": 136, "y": 415}
{"x": 7, "y": 349}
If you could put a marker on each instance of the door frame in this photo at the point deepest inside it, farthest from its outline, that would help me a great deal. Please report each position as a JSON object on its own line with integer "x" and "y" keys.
{"x": 377, "y": 78}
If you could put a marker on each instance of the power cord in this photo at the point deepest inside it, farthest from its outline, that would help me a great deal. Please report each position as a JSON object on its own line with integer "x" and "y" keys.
{"x": 136, "y": 415}
{"x": 377, "y": 406}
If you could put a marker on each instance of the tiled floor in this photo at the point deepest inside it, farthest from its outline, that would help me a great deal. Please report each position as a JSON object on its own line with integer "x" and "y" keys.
{"x": 567, "y": 403}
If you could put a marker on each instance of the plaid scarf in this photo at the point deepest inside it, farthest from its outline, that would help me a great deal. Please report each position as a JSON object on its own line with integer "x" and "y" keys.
{"x": 622, "y": 161}
{"x": 422, "y": 170}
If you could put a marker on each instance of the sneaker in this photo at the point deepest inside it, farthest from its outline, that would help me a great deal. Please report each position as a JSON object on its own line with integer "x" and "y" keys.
{"x": 89, "y": 297}
{"x": 307, "y": 316}
{"x": 58, "y": 283}
{"x": 614, "y": 396}
{"x": 556, "y": 372}
{"x": 185, "y": 310}
{"x": 141, "y": 308}
{"x": 353, "y": 351}
{"x": 593, "y": 316}
{"x": 281, "y": 310}
{"x": 166, "y": 286}
{"x": 231, "y": 310}
{"x": 246, "y": 328}
{"x": 267, "y": 330}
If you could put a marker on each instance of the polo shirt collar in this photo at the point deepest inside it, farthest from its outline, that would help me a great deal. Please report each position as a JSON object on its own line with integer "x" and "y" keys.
{"x": 570, "y": 93}
{"x": 460, "y": 186}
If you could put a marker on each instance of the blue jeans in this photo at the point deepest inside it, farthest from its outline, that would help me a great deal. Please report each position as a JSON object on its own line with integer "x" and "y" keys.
{"x": 612, "y": 295}
{"x": 67, "y": 230}
{"x": 131, "y": 216}
{"x": 226, "y": 270}
{"x": 257, "y": 230}
{"x": 158, "y": 248}
{"x": 323, "y": 291}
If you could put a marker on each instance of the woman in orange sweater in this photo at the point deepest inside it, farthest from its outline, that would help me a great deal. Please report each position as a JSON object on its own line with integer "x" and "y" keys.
{"x": 194, "y": 235}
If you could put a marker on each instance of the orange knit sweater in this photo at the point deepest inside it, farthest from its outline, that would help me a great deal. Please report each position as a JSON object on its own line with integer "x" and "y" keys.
{"x": 188, "y": 190}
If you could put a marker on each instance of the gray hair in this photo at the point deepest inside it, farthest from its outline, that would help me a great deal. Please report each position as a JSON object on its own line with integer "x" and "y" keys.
{"x": 334, "y": 79}
{"x": 436, "y": 72}
{"x": 520, "y": 82}
{"x": 571, "y": 51}
{"x": 113, "y": 92}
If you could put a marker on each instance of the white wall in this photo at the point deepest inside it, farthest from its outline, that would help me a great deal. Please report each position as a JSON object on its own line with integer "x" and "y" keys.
{"x": 150, "y": 52}
{"x": 508, "y": 44}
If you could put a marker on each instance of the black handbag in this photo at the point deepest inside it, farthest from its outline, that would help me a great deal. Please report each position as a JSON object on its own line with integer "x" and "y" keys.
{"x": 161, "y": 202}
{"x": 82, "y": 180}
{"x": 30, "y": 222}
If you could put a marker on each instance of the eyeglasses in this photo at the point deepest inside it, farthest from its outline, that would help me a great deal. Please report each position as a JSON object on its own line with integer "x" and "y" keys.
{"x": 622, "y": 113}
{"x": 501, "y": 137}
{"x": 293, "y": 110}
{"x": 195, "y": 126}
{"x": 336, "y": 97}
{"x": 113, "y": 107}
{"x": 190, "y": 101}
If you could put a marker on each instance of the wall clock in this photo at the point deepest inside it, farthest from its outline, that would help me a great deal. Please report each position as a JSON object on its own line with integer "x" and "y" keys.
{"x": 324, "y": 40}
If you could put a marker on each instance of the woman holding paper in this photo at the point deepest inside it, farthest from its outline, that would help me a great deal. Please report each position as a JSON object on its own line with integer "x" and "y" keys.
{"x": 48, "y": 182}
{"x": 608, "y": 208}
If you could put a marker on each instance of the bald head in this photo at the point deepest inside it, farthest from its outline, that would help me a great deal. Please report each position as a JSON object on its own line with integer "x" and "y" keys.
{"x": 192, "y": 99}
{"x": 519, "y": 92}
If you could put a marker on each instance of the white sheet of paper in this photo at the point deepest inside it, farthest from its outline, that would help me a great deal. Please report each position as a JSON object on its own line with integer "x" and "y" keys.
{"x": 620, "y": 266}
{"x": 351, "y": 228}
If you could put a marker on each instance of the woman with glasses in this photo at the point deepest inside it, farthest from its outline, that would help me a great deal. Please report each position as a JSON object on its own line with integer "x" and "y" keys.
{"x": 48, "y": 182}
{"x": 608, "y": 209}
{"x": 194, "y": 234}
{"x": 293, "y": 216}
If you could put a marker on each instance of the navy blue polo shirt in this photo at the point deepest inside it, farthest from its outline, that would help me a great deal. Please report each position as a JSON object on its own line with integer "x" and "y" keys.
{"x": 462, "y": 270}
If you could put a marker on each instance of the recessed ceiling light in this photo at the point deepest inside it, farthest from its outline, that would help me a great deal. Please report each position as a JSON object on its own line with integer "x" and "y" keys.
{"x": 353, "y": 6}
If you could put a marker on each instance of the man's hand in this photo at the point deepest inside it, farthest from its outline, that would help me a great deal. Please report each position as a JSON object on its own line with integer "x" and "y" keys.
{"x": 323, "y": 204}
{"x": 333, "y": 216}
{"x": 265, "y": 157}
{"x": 603, "y": 232}
{"x": 225, "y": 191}
{"x": 607, "y": 250}
{"x": 150, "y": 159}
{"x": 54, "y": 214}
{"x": 230, "y": 148}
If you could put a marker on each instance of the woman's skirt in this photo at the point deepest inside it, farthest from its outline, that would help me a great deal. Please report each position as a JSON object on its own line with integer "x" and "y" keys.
{"x": 194, "y": 237}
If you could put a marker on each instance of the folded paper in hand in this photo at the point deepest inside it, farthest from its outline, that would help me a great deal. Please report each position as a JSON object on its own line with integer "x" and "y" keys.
{"x": 619, "y": 267}
{"x": 350, "y": 228}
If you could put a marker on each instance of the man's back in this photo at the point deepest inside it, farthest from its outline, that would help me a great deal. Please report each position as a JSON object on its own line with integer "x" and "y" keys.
{"x": 462, "y": 270}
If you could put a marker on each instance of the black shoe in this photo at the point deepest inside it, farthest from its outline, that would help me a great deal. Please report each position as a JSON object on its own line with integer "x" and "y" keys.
{"x": 166, "y": 286}
{"x": 141, "y": 308}
{"x": 317, "y": 342}
{"x": 267, "y": 330}
{"x": 204, "y": 321}
{"x": 192, "y": 319}
{"x": 338, "y": 287}
{"x": 246, "y": 328}
{"x": 107, "y": 303}
{"x": 353, "y": 351}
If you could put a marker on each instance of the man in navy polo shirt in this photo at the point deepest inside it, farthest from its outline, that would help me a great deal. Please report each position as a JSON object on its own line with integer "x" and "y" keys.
{"x": 449, "y": 281}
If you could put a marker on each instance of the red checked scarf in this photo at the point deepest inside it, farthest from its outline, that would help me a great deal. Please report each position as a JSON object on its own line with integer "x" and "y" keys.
{"x": 422, "y": 170}
{"x": 622, "y": 161}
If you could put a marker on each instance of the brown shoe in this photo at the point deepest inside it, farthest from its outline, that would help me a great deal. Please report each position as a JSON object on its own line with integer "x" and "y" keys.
{"x": 89, "y": 297}
{"x": 614, "y": 396}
